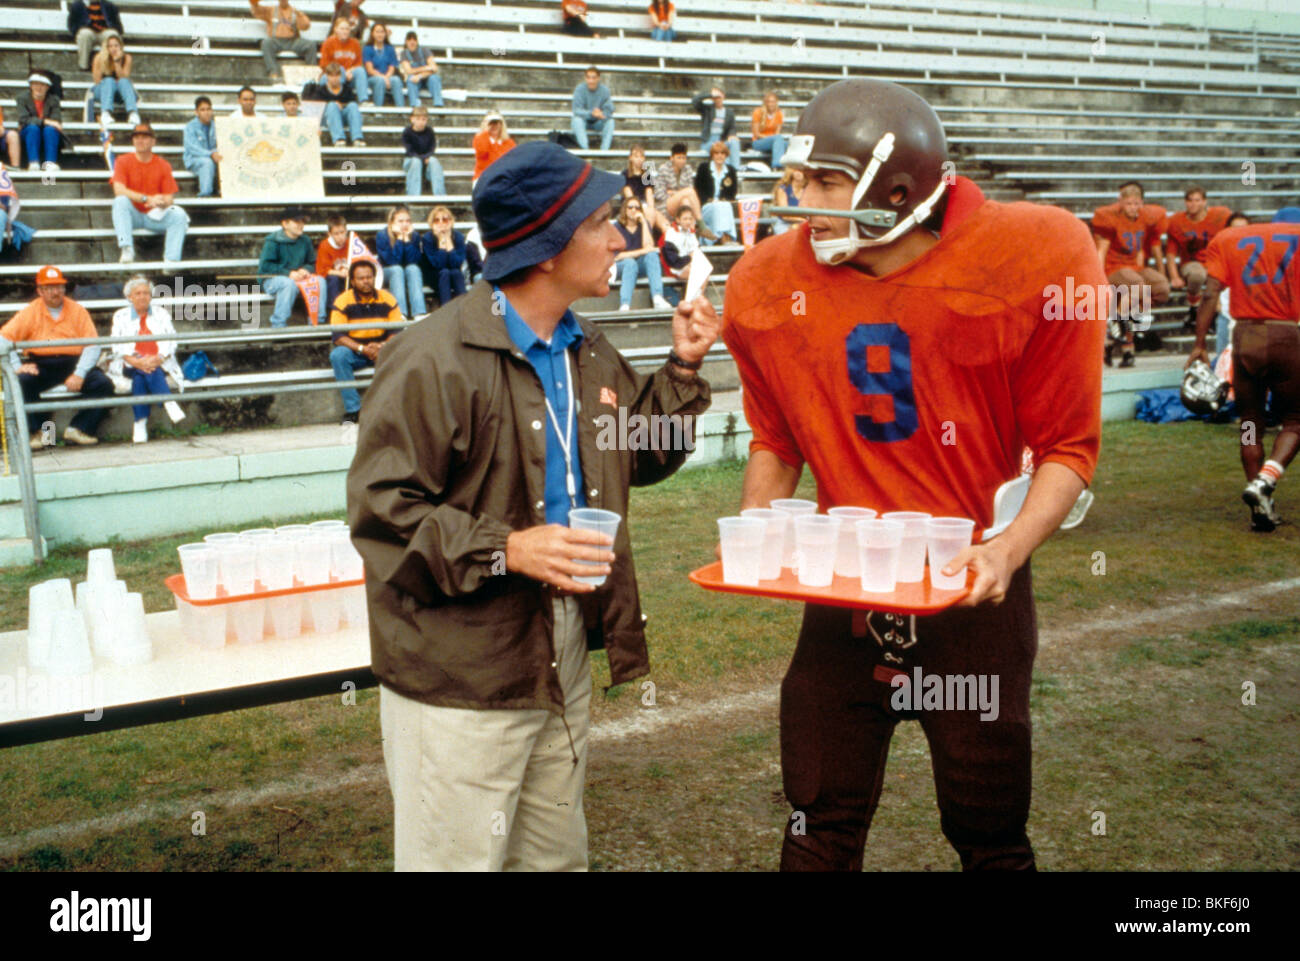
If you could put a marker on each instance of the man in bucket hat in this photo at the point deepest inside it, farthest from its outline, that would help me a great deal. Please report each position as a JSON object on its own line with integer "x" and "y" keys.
{"x": 480, "y": 433}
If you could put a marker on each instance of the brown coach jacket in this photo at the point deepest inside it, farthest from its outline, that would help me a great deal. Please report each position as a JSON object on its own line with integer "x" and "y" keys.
{"x": 450, "y": 459}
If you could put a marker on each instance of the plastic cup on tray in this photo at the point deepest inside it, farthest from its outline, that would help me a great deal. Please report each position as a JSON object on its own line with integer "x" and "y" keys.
{"x": 769, "y": 566}
{"x": 945, "y": 538}
{"x": 846, "y": 552}
{"x": 742, "y": 549}
{"x": 816, "y": 542}
{"x": 911, "y": 560}
{"x": 880, "y": 545}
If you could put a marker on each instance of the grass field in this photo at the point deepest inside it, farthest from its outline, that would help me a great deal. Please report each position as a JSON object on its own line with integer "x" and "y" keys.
{"x": 1137, "y": 703}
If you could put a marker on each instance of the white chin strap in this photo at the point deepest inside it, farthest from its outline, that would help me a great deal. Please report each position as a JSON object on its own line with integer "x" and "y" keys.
{"x": 842, "y": 248}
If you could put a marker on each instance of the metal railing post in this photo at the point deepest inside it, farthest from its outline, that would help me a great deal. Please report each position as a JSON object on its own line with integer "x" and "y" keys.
{"x": 22, "y": 451}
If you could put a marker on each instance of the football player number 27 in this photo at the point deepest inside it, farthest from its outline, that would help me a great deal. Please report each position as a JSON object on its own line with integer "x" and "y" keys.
{"x": 880, "y": 366}
{"x": 1251, "y": 276}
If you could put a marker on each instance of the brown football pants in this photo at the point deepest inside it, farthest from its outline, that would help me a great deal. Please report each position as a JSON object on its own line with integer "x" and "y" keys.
{"x": 837, "y": 721}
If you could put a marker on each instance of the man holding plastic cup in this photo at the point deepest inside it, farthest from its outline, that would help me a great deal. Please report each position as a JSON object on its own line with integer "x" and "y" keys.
{"x": 902, "y": 342}
{"x": 479, "y": 436}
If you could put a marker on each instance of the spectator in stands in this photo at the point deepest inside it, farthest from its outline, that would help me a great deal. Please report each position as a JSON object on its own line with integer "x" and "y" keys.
{"x": 716, "y": 182}
{"x": 593, "y": 111}
{"x": 765, "y": 125}
{"x": 285, "y": 26}
{"x": 491, "y": 141}
{"x": 787, "y": 192}
{"x": 356, "y": 349}
{"x": 420, "y": 70}
{"x": 12, "y": 142}
{"x": 111, "y": 70}
{"x": 1189, "y": 233}
{"x": 639, "y": 182}
{"x": 575, "y": 19}
{"x": 290, "y": 103}
{"x": 247, "y": 104}
{"x": 90, "y": 25}
{"x": 40, "y": 120}
{"x": 1125, "y": 232}
{"x": 200, "y": 154}
{"x": 341, "y": 48}
{"x": 332, "y": 256}
{"x": 662, "y": 17}
{"x": 54, "y": 316}
{"x": 398, "y": 249}
{"x": 286, "y": 261}
{"x": 420, "y": 144}
{"x": 719, "y": 123}
{"x": 444, "y": 254}
{"x": 146, "y": 362}
{"x": 674, "y": 185}
{"x": 680, "y": 242}
{"x": 340, "y": 104}
{"x": 380, "y": 62}
{"x": 640, "y": 257}
{"x": 13, "y": 233}
{"x": 144, "y": 188}
{"x": 351, "y": 11}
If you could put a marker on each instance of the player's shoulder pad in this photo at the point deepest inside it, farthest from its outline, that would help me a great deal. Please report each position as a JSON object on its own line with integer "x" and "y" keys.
{"x": 768, "y": 271}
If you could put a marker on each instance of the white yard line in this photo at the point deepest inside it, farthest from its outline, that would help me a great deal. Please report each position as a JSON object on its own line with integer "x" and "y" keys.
{"x": 644, "y": 721}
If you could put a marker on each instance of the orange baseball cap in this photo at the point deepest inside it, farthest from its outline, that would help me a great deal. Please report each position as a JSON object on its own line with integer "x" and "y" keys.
{"x": 48, "y": 276}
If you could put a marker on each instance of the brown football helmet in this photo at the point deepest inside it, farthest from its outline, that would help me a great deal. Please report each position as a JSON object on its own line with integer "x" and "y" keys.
{"x": 886, "y": 138}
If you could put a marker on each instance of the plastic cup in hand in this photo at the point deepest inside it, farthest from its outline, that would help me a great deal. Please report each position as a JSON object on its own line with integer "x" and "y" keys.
{"x": 345, "y": 562}
{"x": 911, "y": 562}
{"x": 816, "y": 539}
{"x": 769, "y": 565}
{"x": 132, "y": 646}
{"x": 880, "y": 544}
{"x": 199, "y": 565}
{"x": 795, "y": 507}
{"x": 99, "y": 565}
{"x": 945, "y": 538}
{"x": 248, "y": 619}
{"x": 313, "y": 558}
{"x": 846, "y": 553}
{"x": 69, "y": 646}
{"x": 594, "y": 519}
{"x": 742, "y": 549}
{"x": 238, "y": 563}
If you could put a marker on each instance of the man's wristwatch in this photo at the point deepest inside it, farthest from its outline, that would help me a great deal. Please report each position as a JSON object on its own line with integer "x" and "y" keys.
{"x": 675, "y": 360}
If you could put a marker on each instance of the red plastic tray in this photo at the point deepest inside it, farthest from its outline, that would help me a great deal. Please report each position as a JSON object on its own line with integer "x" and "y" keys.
{"x": 176, "y": 584}
{"x": 919, "y": 598}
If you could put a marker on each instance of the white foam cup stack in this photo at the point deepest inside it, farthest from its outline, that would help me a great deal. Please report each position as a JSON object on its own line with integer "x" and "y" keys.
{"x": 846, "y": 551}
{"x": 795, "y": 507}
{"x": 132, "y": 645}
{"x": 69, "y": 653}
{"x": 911, "y": 559}
{"x": 816, "y": 542}
{"x": 44, "y": 600}
{"x": 99, "y": 565}
{"x": 769, "y": 565}
{"x": 945, "y": 538}
{"x": 741, "y": 539}
{"x": 880, "y": 544}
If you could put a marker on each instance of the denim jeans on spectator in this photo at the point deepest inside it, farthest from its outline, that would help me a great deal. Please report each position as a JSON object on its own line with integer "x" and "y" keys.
{"x": 126, "y": 219}
{"x": 449, "y": 282}
{"x": 407, "y": 285}
{"x": 205, "y": 172}
{"x": 733, "y": 151}
{"x": 432, "y": 83}
{"x": 720, "y": 217}
{"x": 142, "y": 383}
{"x": 357, "y": 77}
{"x": 333, "y": 119}
{"x": 666, "y": 34}
{"x": 648, "y": 266}
{"x": 41, "y": 144}
{"x": 774, "y": 146}
{"x": 604, "y": 127}
{"x": 437, "y": 181}
{"x": 379, "y": 91}
{"x": 346, "y": 363}
{"x": 1222, "y": 333}
{"x": 111, "y": 87}
{"x": 285, "y": 292}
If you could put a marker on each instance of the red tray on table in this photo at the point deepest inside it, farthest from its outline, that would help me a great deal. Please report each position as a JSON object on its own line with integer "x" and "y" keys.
{"x": 176, "y": 584}
{"x": 919, "y": 598}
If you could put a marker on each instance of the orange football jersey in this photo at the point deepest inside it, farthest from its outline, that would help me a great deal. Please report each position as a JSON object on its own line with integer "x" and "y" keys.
{"x": 1190, "y": 238}
{"x": 920, "y": 389}
{"x": 1129, "y": 239}
{"x": 1258, "y": 264}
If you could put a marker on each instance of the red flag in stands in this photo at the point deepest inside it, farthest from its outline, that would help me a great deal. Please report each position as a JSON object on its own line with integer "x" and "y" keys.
{"x": 749, "y": 219}
{"x": 357, "y": 250}
{"x": 310, "y": 290}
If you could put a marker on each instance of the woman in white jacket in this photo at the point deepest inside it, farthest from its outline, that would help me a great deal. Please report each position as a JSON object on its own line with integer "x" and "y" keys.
{"x": 146, "y": 362}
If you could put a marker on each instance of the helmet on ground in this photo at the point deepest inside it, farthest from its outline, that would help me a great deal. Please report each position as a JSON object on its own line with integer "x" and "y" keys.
{"x": 1202, "y": 391}
{"x": 886, "y": 138}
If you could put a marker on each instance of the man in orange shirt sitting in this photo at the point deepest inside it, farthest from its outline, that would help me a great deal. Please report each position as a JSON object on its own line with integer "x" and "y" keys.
{"x": 144, "y": 189}
{"x": 1125, "y": 232}
{"x": 53, "y": 316}
{"x": 1188, "y": 234}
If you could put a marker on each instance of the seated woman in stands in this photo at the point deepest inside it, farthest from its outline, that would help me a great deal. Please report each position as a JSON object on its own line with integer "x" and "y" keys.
{"x": 662, "y": 17}
{"x": 491, "y": 141}
{"x": 639, "y": 257}
{"x": 398, "y": 248}
{"x": 380, "y": 61}
{"x": 444, "y": 254}
{"x": 146, "y": 362}
{"x": 575, "y": 19}
{"x": 639, "y": 182}
{"x": 111, "y": 70}
{"x": 679, "y": 244}
{"x": 786, "y": 193}
{"x": 40, "y": 121}
{"x": 716, "y": 182}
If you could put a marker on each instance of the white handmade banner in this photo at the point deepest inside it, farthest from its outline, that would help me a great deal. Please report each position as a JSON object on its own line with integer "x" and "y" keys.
{"x": 270, "y": 157}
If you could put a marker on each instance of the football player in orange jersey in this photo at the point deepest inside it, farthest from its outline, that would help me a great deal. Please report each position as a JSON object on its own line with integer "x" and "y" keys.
{"x": 1126, "y": 231}
{"x": 907, "y": 342}
{"x": 1259, "y": 267}
{"x": 1188, "y": 233}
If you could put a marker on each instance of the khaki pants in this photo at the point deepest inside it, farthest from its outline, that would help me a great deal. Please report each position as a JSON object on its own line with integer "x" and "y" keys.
{"x": 492, "y": 790}
{"x": 88, "y": 40}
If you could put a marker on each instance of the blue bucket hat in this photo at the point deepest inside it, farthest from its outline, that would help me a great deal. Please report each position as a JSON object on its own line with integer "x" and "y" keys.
{"x": 1287, "y": 215}
{"x": 531, "y": 201}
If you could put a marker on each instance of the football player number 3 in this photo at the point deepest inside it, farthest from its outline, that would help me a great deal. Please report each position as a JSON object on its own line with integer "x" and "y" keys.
{"x": 880, "y": 366}
{"x": 1249, "y": 275}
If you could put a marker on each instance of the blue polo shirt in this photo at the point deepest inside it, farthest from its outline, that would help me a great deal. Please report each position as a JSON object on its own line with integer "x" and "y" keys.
{"x": 548, "y": 362}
